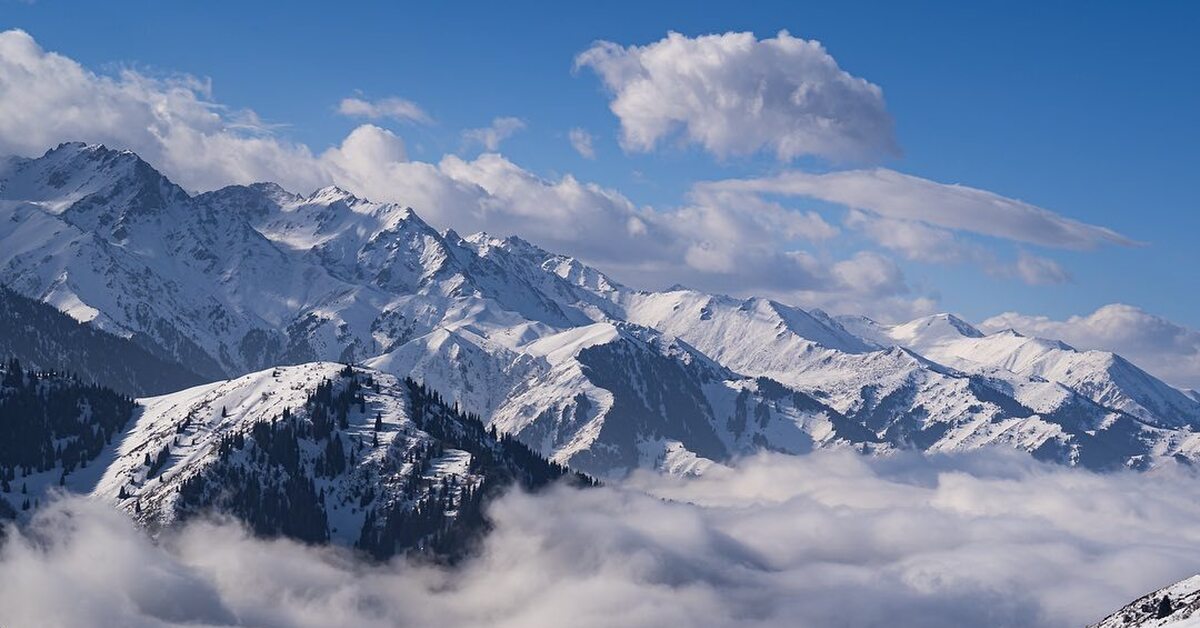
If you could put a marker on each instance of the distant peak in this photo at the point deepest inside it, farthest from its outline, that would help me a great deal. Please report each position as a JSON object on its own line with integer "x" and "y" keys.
{"x": 74, "y": 146}
{"x": 518, "y": 243}
{"x": 332, "y": 194}
{"x": 269, "y": 187}
{"x": 479, "y": 236}
{"x": 961, "y": 326}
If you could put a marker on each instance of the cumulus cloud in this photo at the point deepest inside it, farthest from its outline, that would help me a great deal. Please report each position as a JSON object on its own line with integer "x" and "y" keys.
{"x": 831, "y": 539}
{"x": 393, "y": 107}
{"x": 1167, "y": 349}
{"x": 46, "y": 98}
{"x": 905, "y": 197}
{"x": 734, "y": 94}
{"x": 581, "y": 141}
{"x": 491, "y": 136}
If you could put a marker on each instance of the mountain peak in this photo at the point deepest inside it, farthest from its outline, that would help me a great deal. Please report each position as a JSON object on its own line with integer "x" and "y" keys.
{"x": 332, "y": 194}
{"x": 92, "y": 178}
{"x": 942, "y": 323}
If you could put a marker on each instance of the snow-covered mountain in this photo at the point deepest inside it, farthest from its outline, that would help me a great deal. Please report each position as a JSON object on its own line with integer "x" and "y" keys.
{"x": 586, "y": 371}
{"x": 317, "y": 452}
{"x": 1103, "y": 377}
{"x": 1175, "y": 606}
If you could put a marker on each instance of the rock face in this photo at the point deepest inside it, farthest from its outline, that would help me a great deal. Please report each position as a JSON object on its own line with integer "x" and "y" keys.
{"x": 1174, "y": 606}
{"x": 584, "y": 370}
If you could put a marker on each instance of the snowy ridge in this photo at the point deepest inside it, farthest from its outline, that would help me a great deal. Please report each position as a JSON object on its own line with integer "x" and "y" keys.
{"x": 1106, "y": 378}
{"x": 317, "y": 452}
{"x": 1175, "y": 605}
{"x": 191, "y": 424}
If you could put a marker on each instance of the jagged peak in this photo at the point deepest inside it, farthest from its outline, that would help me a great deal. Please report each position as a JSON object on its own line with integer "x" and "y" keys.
{"x": 73, "y": 171}
{"x": 94, "y": 151}
{"x": 479, "y": 237}
{"x": 332, "y": 194}
{"x": 517, "y": 242}
{"x": 270, "y": 187}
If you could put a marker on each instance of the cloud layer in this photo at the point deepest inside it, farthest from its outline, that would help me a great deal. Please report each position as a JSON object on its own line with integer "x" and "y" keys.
{"x": 734, "y": 94}
{"x": 829, "y": 539}
{"x": 904, "y": 197}
{"x": 1166, "y": 349}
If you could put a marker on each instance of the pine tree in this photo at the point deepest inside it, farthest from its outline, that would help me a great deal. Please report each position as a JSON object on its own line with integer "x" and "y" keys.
{"x": 1165, "y": 608}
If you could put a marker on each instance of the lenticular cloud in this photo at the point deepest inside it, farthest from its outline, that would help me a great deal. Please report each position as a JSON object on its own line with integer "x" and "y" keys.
{"x": 830, "y": 539}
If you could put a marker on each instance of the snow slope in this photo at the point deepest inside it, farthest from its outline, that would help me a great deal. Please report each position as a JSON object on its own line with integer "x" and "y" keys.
{"x": 1150, "y": 610}
{"x": 266, "y": 447}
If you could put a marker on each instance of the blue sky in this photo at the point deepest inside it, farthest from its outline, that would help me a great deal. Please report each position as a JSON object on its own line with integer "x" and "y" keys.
{"x": 1088, "y": 113}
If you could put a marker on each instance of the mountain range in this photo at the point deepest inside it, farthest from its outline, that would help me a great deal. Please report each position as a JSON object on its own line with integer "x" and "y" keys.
{"x": 111, "y": 269}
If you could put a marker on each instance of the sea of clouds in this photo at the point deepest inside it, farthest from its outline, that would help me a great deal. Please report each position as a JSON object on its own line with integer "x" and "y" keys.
{"x": 829, "y": 539}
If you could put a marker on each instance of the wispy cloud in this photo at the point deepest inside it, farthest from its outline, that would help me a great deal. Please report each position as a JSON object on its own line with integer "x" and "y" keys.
{"x": 581, "y": 141}
{"x": 393, "y": 108}
{"x": 905, "y": 197}
{"x": 491, "y": 136}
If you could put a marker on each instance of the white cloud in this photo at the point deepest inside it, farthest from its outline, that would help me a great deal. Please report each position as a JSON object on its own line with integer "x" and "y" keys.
{"x": 394, "y": 108}
{"x": 917, "y": 240}
{"x": 1167, "y": 349}
{"x": 46, "y": 98}
{"x": 581, "y": 141}
{"x": 1040, "y": 271}
{"x": 914, "y": 239}
{"x": 870, "y": 273}
{"x": 904, "y": 197}
{"x": 830, "y": 539}
{"x": 734, "y": 94}
{"x": 491, "y": 136}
